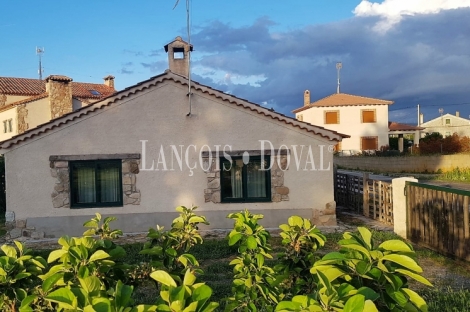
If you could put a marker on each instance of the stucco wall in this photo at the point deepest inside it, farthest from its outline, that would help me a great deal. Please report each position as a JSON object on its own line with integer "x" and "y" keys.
{"x": 418, "y": 164}
{"x": 350, "y": 123}
{"x": 15, "y": 98}
{"x": 38, "y": 112}
{"x": 159, "y": 116}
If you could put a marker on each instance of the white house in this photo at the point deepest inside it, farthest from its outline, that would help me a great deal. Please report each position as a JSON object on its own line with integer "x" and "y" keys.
{"x": 143, "y": 151}
{"x": 447, "y": 124}
{"x": 364, "y": 119}
{"x": 26, "y": 103}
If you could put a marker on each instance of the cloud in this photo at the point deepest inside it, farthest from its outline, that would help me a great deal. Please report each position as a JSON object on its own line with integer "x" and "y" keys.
{"x": 391, "y": 12}
{"x": 125, "y": 71}
{"x": 135, "y": 53}
{"x": 423, "y": 59}
{"x": 155, "y": 67}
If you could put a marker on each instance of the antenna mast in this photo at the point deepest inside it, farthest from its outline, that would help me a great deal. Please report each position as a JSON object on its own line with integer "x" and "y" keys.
{"x": 39, "y": 52}
{"x": 339, "y": 65}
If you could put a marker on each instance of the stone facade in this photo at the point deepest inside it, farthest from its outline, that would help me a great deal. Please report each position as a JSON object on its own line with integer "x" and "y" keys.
{"x": 3, "y": 100}
{"x": 18, "y": 229}
{"x": 279, "y": 192}
{"x": 22, "y": 114}
{"x": 60, "y": 95}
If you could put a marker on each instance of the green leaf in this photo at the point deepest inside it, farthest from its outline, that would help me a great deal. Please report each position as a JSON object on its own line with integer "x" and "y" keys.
{"x": 147, "y": 308}
{"x": 197, "y": 219}
{"x": 295, "y": 221}
{"x": 368, "y": 293}
{"x": 90, "y": 284}
{"x": 56, "y": 254}
{"x": 404, "y": 261}
{"x": 99, "y": 255}
{"x": 51, "y": 281}
{"x": 415, "y": 276}
{"x": 64, "y": 297}
{"x": 233, "y": 239}
{"x": 416, "y": 299}
{"x": 288, "y": 306}
{"x": 123, "y": 294}
{"x": 117, "y": 252}
{"x": 91, "y": 224}
{"x": 251, "y": 242}
{"x": 366, "y": 236}
{"x": 163, "y": 278}
{"x": 355, "y": 304}
{"x": 76, "y": 252}
{"x": 369, "y": 306}
{"x": 101, "y": 304}
{"x": 189, "y": 278}
{"x": 395, "y": 245}
{"x": 9, "y": 251}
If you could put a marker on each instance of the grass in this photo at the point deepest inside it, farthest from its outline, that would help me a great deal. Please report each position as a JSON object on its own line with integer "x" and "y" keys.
{"x": 447, "y": 300}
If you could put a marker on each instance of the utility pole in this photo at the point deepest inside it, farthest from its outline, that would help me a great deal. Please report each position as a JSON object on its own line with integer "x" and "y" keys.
{"x": 39, "y": 53}
{"x": 339, "y": 65}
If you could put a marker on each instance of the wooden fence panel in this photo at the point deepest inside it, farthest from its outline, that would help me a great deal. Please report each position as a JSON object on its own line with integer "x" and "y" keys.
{"x": 438, "y": 218}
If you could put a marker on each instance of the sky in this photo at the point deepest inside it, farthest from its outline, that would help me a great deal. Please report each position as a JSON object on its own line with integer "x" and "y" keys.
{"x": 268, "y": 52}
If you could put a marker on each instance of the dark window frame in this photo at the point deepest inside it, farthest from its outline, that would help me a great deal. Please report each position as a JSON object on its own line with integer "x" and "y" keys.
{"x": 95, "y": 164}
{"x": 245, "y": 198}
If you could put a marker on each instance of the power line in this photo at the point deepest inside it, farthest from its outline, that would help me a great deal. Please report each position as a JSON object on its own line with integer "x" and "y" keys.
{"x": 429, "y": 105}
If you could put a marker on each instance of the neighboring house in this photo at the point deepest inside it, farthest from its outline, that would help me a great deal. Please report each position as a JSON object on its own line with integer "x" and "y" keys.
{"x": 27, "y": 103}
{"x": 447, "y": 125}
{"x": 399, "y": 130}
{"x": 143, "y": 151}
{"x": 364, "y": 119}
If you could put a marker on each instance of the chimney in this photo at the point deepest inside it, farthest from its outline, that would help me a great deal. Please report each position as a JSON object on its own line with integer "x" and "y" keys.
{"x": 178, "y": 56}
{"x": 457, "y": 113}
{"x": 306, "y": 98}
{"x": 60, "y": 95}
{"x": 421, "y": 119}
{"x": 109, "y": 81}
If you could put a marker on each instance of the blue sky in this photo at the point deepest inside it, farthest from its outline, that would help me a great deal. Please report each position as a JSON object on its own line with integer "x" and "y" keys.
{"x": 269, "y": 52}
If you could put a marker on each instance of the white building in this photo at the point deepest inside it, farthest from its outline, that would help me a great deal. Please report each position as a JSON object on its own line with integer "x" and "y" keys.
{"x": 447, "y": 125}
{"x": 364, "y": 119}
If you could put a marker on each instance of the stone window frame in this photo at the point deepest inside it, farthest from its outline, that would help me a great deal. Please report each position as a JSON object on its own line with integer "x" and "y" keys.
{"x": 279, "y": 191}
{"x": 60, "y": 170}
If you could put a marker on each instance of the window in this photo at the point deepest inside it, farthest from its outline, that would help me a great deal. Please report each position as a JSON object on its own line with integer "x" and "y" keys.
{"x": 337, "y": 147}
{"x": 7, "y": 126}
{"x": 448, "y": 121}
{"x": 369, "y": 143}
{"x": 368, "y": 116}
{"x": 96, "y": 183}
{"x": 331, "y": 117}
{"x": 242, "y": 182}
{"x": 94, "y": 92}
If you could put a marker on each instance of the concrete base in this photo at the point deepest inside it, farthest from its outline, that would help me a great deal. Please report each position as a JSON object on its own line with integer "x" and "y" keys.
{"x": 141, "y": 222}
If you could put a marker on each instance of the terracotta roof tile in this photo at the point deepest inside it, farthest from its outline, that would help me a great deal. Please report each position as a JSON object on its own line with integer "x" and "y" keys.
{"x": 30, "y": 87}
{"x": 395, "y": 126}
{"x": 168, "y": 75}
{"x": 343, "y": 99}
{"x": 24, "y": 101}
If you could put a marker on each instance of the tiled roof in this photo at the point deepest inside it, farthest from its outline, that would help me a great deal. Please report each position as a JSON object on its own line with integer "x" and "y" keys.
{"x": 395, "y": 126}
{"x": 24, "y": 101}
{"x": 30, "y": 87}
{"x": 343, "y": 99}
{"x": 168, "y": 75}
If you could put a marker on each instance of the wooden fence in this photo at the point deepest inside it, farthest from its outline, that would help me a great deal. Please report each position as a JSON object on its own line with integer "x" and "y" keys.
{"x": 374, "y": 201}
{"x": 438, "y": 218}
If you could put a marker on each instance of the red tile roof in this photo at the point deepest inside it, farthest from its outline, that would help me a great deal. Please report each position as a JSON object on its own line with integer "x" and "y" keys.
{"x": 343, "y": 99}
{"x": 30, "y": 87}
{"x": 168, "y": 75}
{"x": 395, "y": 126}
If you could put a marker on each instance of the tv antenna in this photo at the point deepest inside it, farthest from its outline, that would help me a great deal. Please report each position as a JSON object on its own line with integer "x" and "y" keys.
{"x": 39, "y": 53}
{"x": 441, "y": 110}
{"x": 339, "y": 65}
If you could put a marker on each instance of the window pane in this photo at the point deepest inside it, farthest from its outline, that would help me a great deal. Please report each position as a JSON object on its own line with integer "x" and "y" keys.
{"x": 256, "y": 179}
{"x": 232, "y": 182}
{"x": 84, "y": 182}
{"x": 108, "y": 179}
{"x": 368, "y": 116}
{"x": 331, "y": 117}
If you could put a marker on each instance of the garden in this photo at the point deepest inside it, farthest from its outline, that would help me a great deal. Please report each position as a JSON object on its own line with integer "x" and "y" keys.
{"x": 176, "y": 270}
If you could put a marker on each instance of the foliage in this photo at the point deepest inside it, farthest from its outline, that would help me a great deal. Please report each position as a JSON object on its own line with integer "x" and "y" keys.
{"x": 102, "y": 229}
{"x": 435, "y": 143}
{"x": 167, "y": 248}
{"x": 300, "y": 239}
{"x": 18, "y": 273}
{"x": 255, "y": 284}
